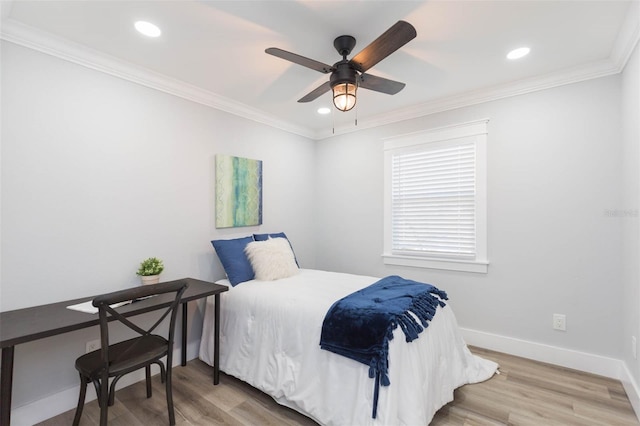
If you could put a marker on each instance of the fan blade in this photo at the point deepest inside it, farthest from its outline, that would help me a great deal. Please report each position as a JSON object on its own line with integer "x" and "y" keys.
{"x": 300, "y": 60}
{"x": 325, "y": 87}
{"x": 380, "y": 84}
{"x": 391, "y": 40}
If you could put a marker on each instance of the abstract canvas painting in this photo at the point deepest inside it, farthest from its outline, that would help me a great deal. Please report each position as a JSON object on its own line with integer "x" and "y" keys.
{"x": 238, "y": 191}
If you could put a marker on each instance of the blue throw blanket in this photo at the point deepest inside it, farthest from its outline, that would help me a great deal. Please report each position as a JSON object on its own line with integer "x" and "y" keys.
{"x": 360, "y": 325}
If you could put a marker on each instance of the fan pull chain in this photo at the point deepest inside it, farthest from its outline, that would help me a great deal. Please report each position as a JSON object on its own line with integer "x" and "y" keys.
{"x": 356, "y": 114}
{"x": 333, "y": 121}
{"x": 357, "y": 85}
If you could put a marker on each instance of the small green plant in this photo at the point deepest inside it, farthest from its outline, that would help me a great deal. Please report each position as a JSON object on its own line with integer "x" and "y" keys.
{"x": 150, "y": 266}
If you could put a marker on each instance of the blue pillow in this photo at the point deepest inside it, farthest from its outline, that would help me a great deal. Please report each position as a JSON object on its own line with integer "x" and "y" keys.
{"x": 234, "y": 260}
{"x": 264, "y": 237}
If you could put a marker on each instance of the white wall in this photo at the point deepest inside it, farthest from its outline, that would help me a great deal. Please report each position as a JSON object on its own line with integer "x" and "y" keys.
{"x": 99, "y": 173}
{"x": 631, "y": 202}
{"x": 554, "y": 160}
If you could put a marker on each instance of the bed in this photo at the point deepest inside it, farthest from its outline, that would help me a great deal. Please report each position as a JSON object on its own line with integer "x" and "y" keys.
{"x": 269, "y": 337}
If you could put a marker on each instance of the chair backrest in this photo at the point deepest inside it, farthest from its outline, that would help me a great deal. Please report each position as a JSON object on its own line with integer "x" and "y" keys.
{"x": 107, "y": 313}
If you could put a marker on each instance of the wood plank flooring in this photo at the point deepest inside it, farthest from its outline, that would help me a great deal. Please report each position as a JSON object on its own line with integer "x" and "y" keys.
{"x": 525, "y": 393}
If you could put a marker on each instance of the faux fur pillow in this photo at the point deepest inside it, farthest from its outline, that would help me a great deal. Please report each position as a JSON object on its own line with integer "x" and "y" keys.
{"x": 271, "y": 259}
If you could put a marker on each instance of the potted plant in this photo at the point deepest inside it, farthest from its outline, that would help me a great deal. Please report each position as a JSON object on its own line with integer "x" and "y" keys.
{"x": 150, "y": 270}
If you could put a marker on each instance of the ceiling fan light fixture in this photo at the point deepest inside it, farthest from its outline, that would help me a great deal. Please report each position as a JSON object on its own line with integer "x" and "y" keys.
{"x": 348, "y": 74}
{"x": 344, "y": 96}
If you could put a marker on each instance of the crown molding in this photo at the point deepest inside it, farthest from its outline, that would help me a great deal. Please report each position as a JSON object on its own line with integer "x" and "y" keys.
{"x": 32, "y": 38}
{"x": 628, "y": 37}
{"x": 35, "y": 39}
{"x": 568, "y": 76}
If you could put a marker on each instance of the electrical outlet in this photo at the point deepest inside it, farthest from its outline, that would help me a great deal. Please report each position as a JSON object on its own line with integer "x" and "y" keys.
{"x": 92, "y": 345}
{"x": 560, "y": 322}
{"x": 634, "y": 347}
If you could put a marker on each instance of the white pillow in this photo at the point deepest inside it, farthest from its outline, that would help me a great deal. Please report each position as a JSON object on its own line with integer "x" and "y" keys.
{"x": 271, "y": 259}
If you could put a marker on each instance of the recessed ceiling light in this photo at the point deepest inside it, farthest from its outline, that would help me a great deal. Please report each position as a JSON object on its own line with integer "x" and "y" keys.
{"x": 148, "y": 29}
{"x": 518, "y": 53}
{"x": 324, "y": 110}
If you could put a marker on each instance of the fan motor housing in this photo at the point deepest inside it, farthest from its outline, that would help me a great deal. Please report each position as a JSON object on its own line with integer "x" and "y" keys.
{"x": 344, "y": 73}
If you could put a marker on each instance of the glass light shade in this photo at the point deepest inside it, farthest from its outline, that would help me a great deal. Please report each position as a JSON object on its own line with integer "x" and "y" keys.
{"x": 344, "y": 96}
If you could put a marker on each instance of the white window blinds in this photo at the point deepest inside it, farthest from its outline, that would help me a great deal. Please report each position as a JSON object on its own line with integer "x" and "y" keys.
{"x": 433, "y": 205}
{"x": 435, "y": 198}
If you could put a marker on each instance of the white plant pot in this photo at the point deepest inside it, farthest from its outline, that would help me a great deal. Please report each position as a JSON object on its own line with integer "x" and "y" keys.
{"x": 150, "y": 279}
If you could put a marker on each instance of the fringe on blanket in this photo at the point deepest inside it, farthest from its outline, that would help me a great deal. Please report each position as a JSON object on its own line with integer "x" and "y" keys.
{"x": 379, "y": 309}
{"x": 424, "y": 308}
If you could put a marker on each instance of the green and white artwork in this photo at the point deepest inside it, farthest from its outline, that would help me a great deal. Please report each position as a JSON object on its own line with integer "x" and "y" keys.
{"x": 238, "y": 192}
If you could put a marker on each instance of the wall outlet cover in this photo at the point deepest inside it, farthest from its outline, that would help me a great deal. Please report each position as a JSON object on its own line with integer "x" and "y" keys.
{"x": 560, "y": 322}
{"x": 92, "y": 345}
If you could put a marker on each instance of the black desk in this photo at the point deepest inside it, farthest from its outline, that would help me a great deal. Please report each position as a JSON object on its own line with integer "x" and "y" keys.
{"x": 38, "y": 322}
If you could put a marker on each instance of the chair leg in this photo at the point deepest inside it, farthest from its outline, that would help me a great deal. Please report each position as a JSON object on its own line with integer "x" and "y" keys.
{"x": 172, "y": 415}
{"x": 112, "y": 390}
{"x": 96, "y": 385}
{"x": 81, "y": 398}
{"x": 147, "y": 373}
{"x": 104, "y": 399}
{"x": 163, "y": 373}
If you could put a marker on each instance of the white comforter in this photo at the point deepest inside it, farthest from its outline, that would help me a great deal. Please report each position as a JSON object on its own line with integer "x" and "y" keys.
{"x": 269, "y": 338}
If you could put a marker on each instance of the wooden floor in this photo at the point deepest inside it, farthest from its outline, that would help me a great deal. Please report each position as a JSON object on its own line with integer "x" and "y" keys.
{"x": 525, "y": 393}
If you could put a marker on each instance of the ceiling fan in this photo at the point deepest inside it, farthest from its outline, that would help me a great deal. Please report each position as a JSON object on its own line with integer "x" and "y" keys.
{"x": 348, "y": 75}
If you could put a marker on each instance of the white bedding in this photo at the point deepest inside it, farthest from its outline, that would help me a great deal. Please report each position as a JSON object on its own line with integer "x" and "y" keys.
{"x": 269, "y": 338}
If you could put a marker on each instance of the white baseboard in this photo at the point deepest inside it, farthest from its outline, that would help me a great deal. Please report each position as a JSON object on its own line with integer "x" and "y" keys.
{"x": 631, "y": 388}
{"x": 67, "y": 399}
{"x": 596, "y": 364}
{"x": 590, "y": 363}
{"x": 60, "y": 402}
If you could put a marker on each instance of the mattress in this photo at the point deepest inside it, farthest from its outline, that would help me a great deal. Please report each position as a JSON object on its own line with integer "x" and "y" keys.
{"x": 269, "y": 338}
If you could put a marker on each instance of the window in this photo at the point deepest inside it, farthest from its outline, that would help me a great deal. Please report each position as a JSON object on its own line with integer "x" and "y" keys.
{"x": 435, "y": 199}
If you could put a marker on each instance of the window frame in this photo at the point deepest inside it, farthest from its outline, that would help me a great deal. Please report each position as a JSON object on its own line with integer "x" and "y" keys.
{"x": 476, "y": 130}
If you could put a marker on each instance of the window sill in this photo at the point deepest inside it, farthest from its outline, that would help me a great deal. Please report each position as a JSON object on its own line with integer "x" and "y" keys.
{"x": 450, "y": 265}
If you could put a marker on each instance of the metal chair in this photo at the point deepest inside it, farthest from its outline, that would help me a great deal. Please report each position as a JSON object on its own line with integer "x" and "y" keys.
{"x": 117, "y": 359}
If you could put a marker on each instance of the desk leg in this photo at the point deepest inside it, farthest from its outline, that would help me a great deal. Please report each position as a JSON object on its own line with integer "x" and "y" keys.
{"x": 184, "y": 334}
{"x": 216, "y": 341}
{"x": 5, "y": 386}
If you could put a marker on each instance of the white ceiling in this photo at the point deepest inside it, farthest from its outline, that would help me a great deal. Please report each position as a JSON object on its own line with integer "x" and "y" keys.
{"x": 213, "y": 51}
